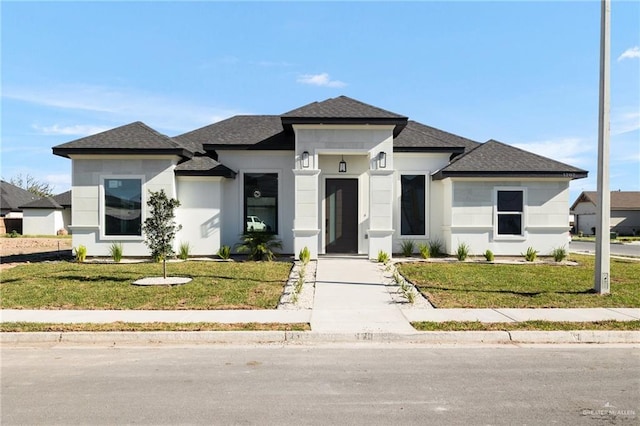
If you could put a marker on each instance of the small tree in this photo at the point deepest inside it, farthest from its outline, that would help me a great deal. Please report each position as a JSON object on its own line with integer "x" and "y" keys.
{"x": 160, "y": 227}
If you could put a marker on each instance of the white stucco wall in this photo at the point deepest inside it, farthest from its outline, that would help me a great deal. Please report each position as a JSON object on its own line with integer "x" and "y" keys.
{"x": 88, "y": 172}
{"x": 418, "y": 164}
{"x": 281, "y": 162}
{"x": 200, "y": 213}
{"x": 546, "y": 216}
{"x": 42, "y": 221}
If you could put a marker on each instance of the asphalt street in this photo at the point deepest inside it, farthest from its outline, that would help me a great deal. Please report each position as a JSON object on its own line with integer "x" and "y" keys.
{"x": 202, "y": 384}
{"x": 616, "y": 249}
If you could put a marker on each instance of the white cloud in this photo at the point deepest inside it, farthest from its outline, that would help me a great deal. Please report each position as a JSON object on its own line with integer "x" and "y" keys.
{"x": 121, "y": 105}
{"x": 624, "y": 122}
{"x": 572, "y": 151}
{"x": 630, "y": 53}
{"x": 59, "y": 180}
{"x": 322, "y": 80}
{"x": 75, "y": 130}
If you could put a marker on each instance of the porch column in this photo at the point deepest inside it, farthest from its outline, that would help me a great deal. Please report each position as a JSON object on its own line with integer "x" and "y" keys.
{"x": 380, "y": 212}
{"x": 305, "y": 221}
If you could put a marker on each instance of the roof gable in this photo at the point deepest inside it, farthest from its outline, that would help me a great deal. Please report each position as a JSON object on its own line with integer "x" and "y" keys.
{"x": 133, "y": 138}
{"x": 620, "y": 200}
{"x": 494, "y": 158}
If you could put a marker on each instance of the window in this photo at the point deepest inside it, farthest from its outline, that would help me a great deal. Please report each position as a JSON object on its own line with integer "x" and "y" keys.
{"x": 510, "y": 212}
{"x": 123, "y": 207}
{"x": 261, "y": 202}
{"x": 412, "y": 205}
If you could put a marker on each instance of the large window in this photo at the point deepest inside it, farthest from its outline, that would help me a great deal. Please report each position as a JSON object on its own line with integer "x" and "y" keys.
{"x": 261, "y": 202}
{"x": 412, "y": 205}
{"x": 510, "y": 212}
{"x": 123, "y": 207}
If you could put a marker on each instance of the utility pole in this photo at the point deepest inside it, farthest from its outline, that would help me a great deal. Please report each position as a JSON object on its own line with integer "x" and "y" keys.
{"x": 603, "y": 214}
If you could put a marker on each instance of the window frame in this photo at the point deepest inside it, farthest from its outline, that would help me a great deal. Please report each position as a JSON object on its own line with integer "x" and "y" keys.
{"x": 522, "y": 214}
{"x": 243, "y": 211}
{"x": 426, "y": 176}
{"x": 102, "y": 208}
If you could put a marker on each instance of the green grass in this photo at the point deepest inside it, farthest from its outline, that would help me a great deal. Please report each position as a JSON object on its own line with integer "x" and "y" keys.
{"x": 525, "y": 325}
{"x": 466, "y": 285}
{"x": 215, "y": 285}
{"x": 18, "y": 327}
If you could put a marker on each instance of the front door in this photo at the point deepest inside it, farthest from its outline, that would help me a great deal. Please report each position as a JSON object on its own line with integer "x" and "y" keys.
{"x": 341, "y": 204}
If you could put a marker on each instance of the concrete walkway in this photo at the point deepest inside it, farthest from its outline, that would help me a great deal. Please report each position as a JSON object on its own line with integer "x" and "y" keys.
{"x": 351, "y": 297}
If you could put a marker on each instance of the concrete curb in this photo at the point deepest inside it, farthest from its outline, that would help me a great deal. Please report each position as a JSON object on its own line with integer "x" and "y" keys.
{"x": 310, "y": 337}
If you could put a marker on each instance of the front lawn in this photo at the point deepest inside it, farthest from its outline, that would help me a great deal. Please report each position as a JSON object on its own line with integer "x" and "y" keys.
{"x": 526, "y": 326}
{"x": 215, "y": 285}
{"x": 478, "y": 285}
{"x": 22, "y": 327}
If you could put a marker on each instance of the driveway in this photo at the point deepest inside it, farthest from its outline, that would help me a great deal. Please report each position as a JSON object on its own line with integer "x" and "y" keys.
{"x": 616, "y": 249}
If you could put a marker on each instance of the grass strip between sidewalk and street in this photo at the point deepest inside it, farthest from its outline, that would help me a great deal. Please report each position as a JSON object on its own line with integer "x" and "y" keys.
{"x": 526, "y": 326}
{"x": 19, "y": 327}
{"x": 215, "y": 285}
{"x": 541, "y": 285}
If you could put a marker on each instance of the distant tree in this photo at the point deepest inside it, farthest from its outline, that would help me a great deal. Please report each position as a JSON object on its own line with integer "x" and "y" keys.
{"x": 160, "y": 227}
{"x": 33, "y": 185}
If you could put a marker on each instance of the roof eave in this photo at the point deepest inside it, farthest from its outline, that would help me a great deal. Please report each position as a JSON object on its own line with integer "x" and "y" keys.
{"x": 67, "y": 152}
{"x": 444, "y": 174}
{"x": 456, "y": 150}
{"x": 220, "y": 171}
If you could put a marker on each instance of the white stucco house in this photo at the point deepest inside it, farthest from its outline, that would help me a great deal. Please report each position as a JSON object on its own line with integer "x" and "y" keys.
{"x": 337, "y": 176}
{"x": 47, "y": 215}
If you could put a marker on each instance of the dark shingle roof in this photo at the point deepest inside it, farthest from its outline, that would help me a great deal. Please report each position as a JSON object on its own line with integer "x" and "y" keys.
{"x": 419, "y": 137}
{"x": 341, "y": 107}
{"x": 203, "y": 166}
{"x": 243, "y": 131}
{"x": 134, "y": 138}
{"x": 620, "y": 200}
{"x": 12, "y": 196}
{"x": 343, "y": 110}
{"x": 57, "y": 202}
{"x": 494, "y": 158}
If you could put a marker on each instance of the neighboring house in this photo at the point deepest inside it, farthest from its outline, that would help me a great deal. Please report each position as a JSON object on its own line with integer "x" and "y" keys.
{"x": 625, "y": 212}
{"x": 48, "y": 215}
{"x": 11, "y": 198}
{"x": 337, "y": 176}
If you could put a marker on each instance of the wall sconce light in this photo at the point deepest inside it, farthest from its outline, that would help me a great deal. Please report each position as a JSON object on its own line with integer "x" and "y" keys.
{"x": 382, "y": 160}
{"x": 342, "y": 166}
{"x": 305, "y": 159}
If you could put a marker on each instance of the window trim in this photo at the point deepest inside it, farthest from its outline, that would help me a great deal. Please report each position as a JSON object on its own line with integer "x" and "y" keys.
{"x": 523, "y": 214}
{"x": 102, "y": 208}
{"x": 427, "y": 177}
{"x": 242, "y": 172}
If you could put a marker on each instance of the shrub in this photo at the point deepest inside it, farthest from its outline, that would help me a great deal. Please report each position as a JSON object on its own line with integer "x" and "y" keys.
{"x": 116, "y": 252}
{"x": 183, "y": 252}
{"x": 435, "y": 247}
{"x": 530, "y": 255}
{"x": 260, "y": 245}
{"x": 489, "y": 256}
{"x": 559, "y": 254}
{"x": 423, "y": 248}
{"x": 224, "y": 252}
{"x": 160, "y": 227}
{"x": 14, "y": 234}
{"x": 305, "y": 255}
{"x": 81, "y": 253}
{"x": 407, "y": 247}
{"x": 463, "y": 251}
{"x": 383, "y": 257}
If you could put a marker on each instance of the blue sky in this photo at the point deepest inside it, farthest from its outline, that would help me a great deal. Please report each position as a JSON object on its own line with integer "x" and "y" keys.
{"x": 524, "y": 73}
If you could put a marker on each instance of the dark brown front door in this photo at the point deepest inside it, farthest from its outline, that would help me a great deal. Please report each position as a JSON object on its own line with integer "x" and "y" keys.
{"x": 341, "y": 209}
